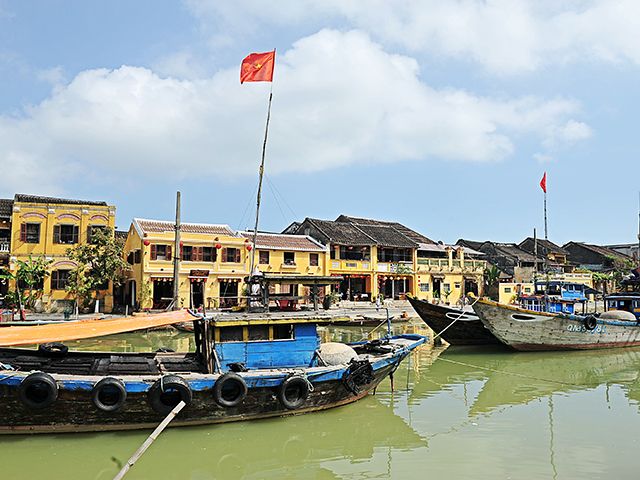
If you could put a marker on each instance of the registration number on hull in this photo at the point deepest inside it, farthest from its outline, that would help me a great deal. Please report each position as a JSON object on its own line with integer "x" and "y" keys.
{"x": 581, "y": 329}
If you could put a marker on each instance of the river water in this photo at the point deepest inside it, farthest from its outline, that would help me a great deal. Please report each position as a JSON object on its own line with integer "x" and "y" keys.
{"x": 454, "y": 413}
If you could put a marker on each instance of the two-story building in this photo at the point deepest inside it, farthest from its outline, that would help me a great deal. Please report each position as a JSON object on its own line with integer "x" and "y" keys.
{"x": 555, "y": 257}
{"x": 386, "y": 258}
{"x": 214, "y": 261}
{"x": 6, "y": 208}
{"x": 47, "y": 227}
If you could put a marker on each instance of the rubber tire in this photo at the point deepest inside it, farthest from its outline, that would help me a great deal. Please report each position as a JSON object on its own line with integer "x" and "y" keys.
{"x": 53, "y": 349}
{"x": 220, "y": 384}
{"x": 293, "y": 382}
{"x": 590, "y": 322}
{"x": 31, "y": 381}
{"x": 109, "y": 381}
{"x": 160, "y": 387}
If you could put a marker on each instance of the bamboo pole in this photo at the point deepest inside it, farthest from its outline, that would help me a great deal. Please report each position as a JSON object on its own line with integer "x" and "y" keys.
{"x": 147, "y": 443}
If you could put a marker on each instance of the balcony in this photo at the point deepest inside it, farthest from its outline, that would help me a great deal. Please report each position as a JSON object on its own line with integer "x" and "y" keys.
{"x": 5, "y": 247}
{"x": 354, "y": 265}
{"x": 442, "y": 265}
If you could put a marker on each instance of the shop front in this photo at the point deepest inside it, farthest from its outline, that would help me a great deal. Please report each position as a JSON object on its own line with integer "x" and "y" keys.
{"x": 355, "y": 287}
{"x": 395, "y": 286}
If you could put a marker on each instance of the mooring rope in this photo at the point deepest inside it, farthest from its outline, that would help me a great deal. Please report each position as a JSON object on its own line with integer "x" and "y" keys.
{"x": 462, "y": 314}
{"x": 529, "y": 377}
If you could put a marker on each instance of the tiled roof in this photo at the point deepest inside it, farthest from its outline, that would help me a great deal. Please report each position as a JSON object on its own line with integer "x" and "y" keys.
{"x": 279, "y": 241}
{"x": 20, "y": 197}
{"x": 387, "y": 236}
{"x": 604, "y": 251}
{"x": 469, "y": 243}
{"x": 121, "y": 234}
{"x": 404, "y": 230}
{"x": 511, "y": 249}
{"x": 6, "y": 207}
{"x": 342, "y": 233}
{"x": 547, "y": 245}
{"x": 162, "y": 226}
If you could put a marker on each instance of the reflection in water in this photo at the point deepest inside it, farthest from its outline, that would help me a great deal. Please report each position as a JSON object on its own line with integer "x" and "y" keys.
{"x": 463, "y": 412}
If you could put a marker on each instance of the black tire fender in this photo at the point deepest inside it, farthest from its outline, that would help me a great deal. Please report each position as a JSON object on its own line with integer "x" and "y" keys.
{"x": 109, "y": 394}
{"x": 230, "y": 390}
{"x": 38, "y": 390}
{"x": 167, "y": 392}
{"x": 53, "y": 349}
{"x": 293, "y": 392}
{"x": 590, "y": 322}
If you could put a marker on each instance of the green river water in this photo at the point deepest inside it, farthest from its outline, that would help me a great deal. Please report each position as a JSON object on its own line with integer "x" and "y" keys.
{"x": 455, "y": 413}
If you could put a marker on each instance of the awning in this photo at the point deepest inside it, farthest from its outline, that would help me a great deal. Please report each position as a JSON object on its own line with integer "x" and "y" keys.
{"x": 76, "y": 330}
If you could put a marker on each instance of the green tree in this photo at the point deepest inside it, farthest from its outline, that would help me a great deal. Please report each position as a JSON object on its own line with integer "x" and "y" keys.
{"x": 491, "y": 280}
{"x": 28, "y": 281}
{"x": 98, "y": 262}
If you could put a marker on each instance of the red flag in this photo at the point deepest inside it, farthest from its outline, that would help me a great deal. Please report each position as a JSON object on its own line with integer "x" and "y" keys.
{"x": 258, "y": 67}
{"x": 543, "y": 183}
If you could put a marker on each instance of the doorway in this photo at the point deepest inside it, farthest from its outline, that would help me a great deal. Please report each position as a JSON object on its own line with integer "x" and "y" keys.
{"x": 197, "y": 295}
{"x": 437, "y": 287}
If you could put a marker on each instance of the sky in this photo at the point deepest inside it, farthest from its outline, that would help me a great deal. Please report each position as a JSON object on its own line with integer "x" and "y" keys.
{"x": 440, "y": 115}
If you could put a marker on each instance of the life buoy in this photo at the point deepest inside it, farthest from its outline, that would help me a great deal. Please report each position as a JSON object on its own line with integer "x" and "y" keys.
{"x": 53, "y": 349}
{"x": 590, "y": 322}
{"x": 230, "y": 390}
{"x": 293, "y": 392}
{"x": 38, "y": 390}
{"x": 109, "y": 394}
{"x": 167, "y": 392}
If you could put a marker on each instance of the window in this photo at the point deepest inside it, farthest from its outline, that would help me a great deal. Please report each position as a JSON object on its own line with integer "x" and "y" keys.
{"x": 59, "y": 279}
{"x": 314, "y": 259}
{"x": 424, "y": 287}
{"x": 263, "y": 257}
{"x": 354, "y": 253}
{"x": 186, "y": 253}
{"x": 30, "y": 232}
{"x": 446, "y": 287}
{"x": 289, "y": 258}
{"x": 91, "y": 229}
{"x": 160, "y": 252}
{"x": 507, "y": 290}
{"x": 282, "y": 332}
{"x": 65, "y": 234}
{"x": 456, "y": 285}
{"x": 231, "y": 334}
{"x": 136, "y": 256}
{"x": 198, "y": 254}
{"x": 394, "y": 255}
{"x": 231, "y": 255}
{"x": 258, "y": 332}
{"x": 208, "y": 254}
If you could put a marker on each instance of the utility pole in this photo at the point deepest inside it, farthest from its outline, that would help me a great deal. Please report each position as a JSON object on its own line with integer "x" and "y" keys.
{"x": 176, "y": 256}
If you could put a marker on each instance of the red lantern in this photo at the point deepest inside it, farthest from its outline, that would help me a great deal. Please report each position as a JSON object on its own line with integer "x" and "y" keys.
{"x": 181, "y": 244}
{"x": 218, "y": 246}
{"x": 246, "y": 240}
{"x": 249, "y": 247}
{"x": 146, "y": 243}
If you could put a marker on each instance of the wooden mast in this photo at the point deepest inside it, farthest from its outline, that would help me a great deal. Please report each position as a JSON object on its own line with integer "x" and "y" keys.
{"x": 176, "y": 256}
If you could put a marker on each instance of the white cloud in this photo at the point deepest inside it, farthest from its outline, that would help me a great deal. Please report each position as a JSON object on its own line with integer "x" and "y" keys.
{"x": 339, "y": 99}
{"x": 504, "y": 36}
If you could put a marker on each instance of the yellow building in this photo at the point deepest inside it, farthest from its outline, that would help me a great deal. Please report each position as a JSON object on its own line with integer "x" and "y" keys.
{"x": 214, "y": 261}
{"x": 389, "y": 259}
{"x": 47, "y": 227}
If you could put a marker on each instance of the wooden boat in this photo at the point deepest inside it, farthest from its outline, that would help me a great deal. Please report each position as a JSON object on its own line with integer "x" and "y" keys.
{"x": 529, "y": 330}
{"x": 464, "y": 326}
{"x": 240, "y": 370}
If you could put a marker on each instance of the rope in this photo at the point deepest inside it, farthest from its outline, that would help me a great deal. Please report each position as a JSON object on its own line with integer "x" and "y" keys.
{"x": 528, "y": 377}
{"x": 462, "y": 314}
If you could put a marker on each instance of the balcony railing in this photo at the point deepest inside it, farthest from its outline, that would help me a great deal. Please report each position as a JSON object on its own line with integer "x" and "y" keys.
{"x": 4, "y": 247}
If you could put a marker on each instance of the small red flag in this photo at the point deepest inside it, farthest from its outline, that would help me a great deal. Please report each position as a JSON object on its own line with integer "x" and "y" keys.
{"x": 543, "y": 183}
{"x": 258, "y": 67}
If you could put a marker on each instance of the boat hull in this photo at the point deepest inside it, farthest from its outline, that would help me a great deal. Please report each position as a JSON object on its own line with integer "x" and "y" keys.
{"x": 527, "y": 330}
{"x": 467, "y": 329}
{"x": 74, "y": 411}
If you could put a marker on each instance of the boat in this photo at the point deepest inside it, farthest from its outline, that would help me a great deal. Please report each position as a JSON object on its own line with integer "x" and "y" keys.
{"x": 528, "y": 330}
{"x": 455, "y": 326}
{"x": 623, "y": 301}
{"x": 240, "y": 370}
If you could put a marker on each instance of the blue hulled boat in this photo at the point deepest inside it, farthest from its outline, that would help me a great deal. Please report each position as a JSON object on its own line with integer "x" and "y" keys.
{"x": 241, "y": 370}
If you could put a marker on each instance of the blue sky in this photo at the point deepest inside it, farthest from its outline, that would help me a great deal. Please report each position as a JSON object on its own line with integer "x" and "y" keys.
{"x": 440, "y": 115}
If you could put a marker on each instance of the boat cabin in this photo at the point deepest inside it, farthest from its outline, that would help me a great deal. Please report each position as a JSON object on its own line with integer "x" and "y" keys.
{"x": 628, "y": 302}
{"x": 556, "y": 297}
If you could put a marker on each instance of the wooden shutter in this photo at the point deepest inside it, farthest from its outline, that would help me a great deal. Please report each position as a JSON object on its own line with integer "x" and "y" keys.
{"x": 224, "y": 255}
{"x": 200, "y": 254}
{"x": 56, "y": 234}
{"x": 153, "y": 252}
{"x": 168, "y": 252}
{"x": 237, "y": 260}
{"x": 89, "y": 234}
{"x": 76, "y": 233}
{"x": 23, "y": 232}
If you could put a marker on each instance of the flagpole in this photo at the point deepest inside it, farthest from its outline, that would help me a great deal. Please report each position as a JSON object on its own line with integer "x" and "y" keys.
{"x": 545, "y": 216}
{"x": 264, "y": 149}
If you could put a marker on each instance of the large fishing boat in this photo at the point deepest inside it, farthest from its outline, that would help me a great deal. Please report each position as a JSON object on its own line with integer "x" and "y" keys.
{"x": 523, "y": 329}
{"x": 241, "y": 370}
{"x": 455, "y": 326}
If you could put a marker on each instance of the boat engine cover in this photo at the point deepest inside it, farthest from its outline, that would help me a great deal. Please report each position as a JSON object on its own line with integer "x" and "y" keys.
{"x": 333, "y": 353}
{"x": 621, "y": 315}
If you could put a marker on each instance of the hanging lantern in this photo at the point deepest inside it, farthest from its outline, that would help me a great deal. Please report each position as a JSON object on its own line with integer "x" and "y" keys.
{"x": 181, "y": 244}
{"x": 218, "y": 246}
{"x": 249, "y": 247}
{"x": 146, "y": 243}
{"x": 246, "y": 240}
